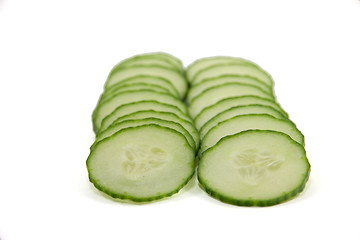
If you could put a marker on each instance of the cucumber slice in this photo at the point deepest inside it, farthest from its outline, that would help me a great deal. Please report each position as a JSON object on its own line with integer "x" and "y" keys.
{"x": 106, "y": 107}
{"x": 141, "y": 163}
{"x": 254, "y": 168}
{"x": 131, "y": 87}
{"x": 197, "y": 89}
{"x": 247, "y": 122}
{"x": 178, "y": 80}
{"x": 236, "y": 111}
{"x": 141, "y": 106}
{"x": 214, "y": 94}
{"x": 203, "y": 63}
{"x": 245, "y": 69}
{"x": 138, "y": 122}
{"x": 168, "y": 116}
{"x": 148, "y": 80}
{"x": 207, "y": 113}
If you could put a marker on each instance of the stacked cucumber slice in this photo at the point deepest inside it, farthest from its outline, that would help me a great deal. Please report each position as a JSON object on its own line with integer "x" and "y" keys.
{"x": 250, "y": 152}
{"x": 145, "y": 140}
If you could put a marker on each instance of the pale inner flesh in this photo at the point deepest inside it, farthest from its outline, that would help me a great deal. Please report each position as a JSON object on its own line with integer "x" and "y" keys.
{"x": 140, "y": 159}
{"x": 253, "y": 165}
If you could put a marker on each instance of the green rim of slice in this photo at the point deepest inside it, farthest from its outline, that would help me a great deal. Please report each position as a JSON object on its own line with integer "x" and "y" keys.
{"x": 176, "y": 61}
{"x": 237, "y": 111}
{"x": 132, "y": 87}
{"x": 209, "y": 112}
{"x": 213, "y": 88}
{"x": 219, "y": 80}
{"x": 118, "y": 125}
{"x": 172, "y": 75}
{"x": 163, "y": 82}
{"x": 156, "y": 58}
{"x": 144, "y": 105}
{"x": 210, "y": 61}
{"x": 111, "y": 104}
{"x": 169, "y": 116}
{"x": 212, "y": 95}
{"x": 232, "y": 126}
{"x": 266, "y": 78}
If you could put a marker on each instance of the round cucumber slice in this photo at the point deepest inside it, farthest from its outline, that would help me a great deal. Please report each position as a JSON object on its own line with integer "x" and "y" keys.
{"x": 177, "y": 79}
{"x": 197, "y": 89}
{"x": 214, "y": 94}
{"x": 106, "y": 107}
{"x": 145, "y": 121}
{"x": 247, "y": 122}
{"x": 209, "y": 112}
{"x": 236, "y": 111}
{"x": 141, "y": 163}
{"x": 254, "y": 168}
{"x": 141, "y": 106}
{"x": 168, "y": 116}
{"x": 245, "y": 69}
{"x": 147, "y": 80}
{"x": 203, "y": 63}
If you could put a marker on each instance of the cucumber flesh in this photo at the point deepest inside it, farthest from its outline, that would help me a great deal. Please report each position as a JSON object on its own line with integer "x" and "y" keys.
{"x": 177, "y": 79}
{"x": 106, "y": 107}
{"x": 197, "y": 89}
{"x": 168, "y": 116}
{"x": 162, "y": 82}
{"x": 145, "y": 121}
{"x": 254, "y": 168}
{"x": 214, "y": 94}
{"x": 247, "y": 122}
{"x": 245, "y": 69}
{"x": 209, "y": 112}
{"x": 203, "y": 63}
{"x": 133, "y": 107}
{"x": 236, "y": 111}
{"x": 141, "y": 163}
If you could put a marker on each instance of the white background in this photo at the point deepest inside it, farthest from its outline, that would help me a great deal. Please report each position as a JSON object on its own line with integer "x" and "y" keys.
{"x": 54, "y": 59}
